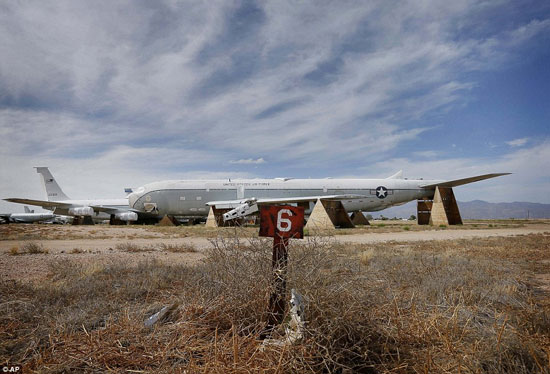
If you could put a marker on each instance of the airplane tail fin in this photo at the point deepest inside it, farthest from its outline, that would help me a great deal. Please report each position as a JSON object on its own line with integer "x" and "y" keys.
{"x": 54, "y": 192}
{"x": 398, "y": 175}
{"x": 27, "y": 210}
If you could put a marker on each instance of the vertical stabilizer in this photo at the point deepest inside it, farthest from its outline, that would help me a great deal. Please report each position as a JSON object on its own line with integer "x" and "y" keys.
{"x": 53, "y": 190}
{"x": 398, "y": 175}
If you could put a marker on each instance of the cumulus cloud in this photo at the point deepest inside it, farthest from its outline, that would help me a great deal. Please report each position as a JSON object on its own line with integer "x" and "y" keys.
{"x": 248, "y": 161}
{"x": 518, "y": 142}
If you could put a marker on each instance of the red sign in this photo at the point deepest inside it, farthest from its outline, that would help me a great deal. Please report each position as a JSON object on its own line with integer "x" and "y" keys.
{"x": 282, "y": 221}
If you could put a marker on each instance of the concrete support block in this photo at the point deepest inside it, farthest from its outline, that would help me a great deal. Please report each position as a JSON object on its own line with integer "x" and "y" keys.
{"x": 445, "y": 208}
{"x": 423, "y": 211}
{"x": 211, "y": 220}
{"x": 319, "y": 219}
{"x": 358, "y": 218}
{"x": 328, "y": 214}
{"x": 168, "y": 221}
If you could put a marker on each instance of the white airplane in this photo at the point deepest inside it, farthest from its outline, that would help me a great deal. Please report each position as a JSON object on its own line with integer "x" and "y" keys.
{"x": 192, "y": 198}
{"x": 28, "y": 217}
{"x": 59, "y": 203}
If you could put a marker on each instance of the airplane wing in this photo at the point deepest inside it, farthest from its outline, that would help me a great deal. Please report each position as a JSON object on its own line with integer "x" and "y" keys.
{"x": 229, "y": 204}
{"x": 129, "y": 213}
{"x": 460, "y": 182}
{"x": 42, "y": 203}
{"x": 109, "y": 210}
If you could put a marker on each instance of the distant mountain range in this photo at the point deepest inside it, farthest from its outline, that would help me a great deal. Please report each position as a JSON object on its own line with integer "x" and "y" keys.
{"x": 478, "y": 209}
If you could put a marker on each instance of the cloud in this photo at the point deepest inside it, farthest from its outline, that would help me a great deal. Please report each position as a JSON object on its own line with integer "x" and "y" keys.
{"x": 529, "y": 182}
{"x": 248, "y": 161}
{"x": 171, "y": 89}
{"x": 426, "y": 154}
{"x": 518, "y": 142}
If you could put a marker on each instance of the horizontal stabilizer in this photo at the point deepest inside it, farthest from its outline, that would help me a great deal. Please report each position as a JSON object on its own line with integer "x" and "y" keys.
{"x": 460, "y": 182}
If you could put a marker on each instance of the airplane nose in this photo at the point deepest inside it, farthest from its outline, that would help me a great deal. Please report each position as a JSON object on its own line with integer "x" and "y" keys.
{"x": 132, "y": 198}
{"x": 135, "y": 196}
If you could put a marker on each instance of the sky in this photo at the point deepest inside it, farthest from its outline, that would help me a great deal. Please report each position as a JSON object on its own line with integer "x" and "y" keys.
{"x": 117, "y": 94}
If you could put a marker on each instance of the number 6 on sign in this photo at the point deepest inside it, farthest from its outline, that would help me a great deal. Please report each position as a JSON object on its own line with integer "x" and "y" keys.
{"x": 282, "y": 221}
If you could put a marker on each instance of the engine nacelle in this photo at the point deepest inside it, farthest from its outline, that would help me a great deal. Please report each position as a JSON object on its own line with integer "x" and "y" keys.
{"x": 127, "y": 216}
{"x": 81, "y": 211}
{"x": 241, "y": 211}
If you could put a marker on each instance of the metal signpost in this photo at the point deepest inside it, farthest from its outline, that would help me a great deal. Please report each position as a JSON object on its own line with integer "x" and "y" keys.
{"x": 281, "y": 223}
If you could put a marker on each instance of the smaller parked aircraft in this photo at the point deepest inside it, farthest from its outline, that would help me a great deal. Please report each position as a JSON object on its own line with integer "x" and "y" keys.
{"x": 28, "y": 217}
{"x": 59, "y": 203}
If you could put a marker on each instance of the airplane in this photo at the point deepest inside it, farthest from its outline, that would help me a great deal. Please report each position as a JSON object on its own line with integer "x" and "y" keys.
{"x": 28, "y": 217}
{"x": 59, "y": 203}
{"x": 241, "y": 197}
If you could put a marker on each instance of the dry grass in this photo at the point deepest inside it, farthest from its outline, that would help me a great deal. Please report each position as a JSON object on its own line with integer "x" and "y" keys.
{"x": 175, "y": 248}
{"x": 32, "y": 248}
{"x": 178, "y": 248}
{"x": 201, "y": 231}
{"x": 132, "y": 247}
{"x": 464, "y": 306}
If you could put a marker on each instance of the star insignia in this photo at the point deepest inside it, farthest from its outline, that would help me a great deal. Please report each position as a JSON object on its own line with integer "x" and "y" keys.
{"x": 381, "y": 192}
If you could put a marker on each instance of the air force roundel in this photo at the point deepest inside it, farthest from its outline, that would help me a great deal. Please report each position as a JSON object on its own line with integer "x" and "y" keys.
{"x": 381, "y": 192}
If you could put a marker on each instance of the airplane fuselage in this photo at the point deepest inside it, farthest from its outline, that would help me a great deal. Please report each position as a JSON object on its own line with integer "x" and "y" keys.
{"x": 189, "y": 197}
{"x": 30, "y": 217}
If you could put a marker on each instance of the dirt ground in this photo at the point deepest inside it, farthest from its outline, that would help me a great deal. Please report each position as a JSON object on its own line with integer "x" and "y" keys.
{"x": 107, "y": 244}
{"x": 390, "y": 297}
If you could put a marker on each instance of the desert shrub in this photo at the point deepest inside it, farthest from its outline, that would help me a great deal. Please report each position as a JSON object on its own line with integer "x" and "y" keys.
{"x": 33, "y": 248}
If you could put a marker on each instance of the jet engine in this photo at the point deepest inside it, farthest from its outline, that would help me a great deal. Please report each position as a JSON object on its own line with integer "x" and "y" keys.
{"x": 242, "y": 210}
{"x": 127, "y": 216}
{"x": 81, "y": 211}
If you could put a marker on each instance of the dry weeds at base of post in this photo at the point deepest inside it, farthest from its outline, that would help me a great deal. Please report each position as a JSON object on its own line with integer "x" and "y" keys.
{"x": 463, "y": 306}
